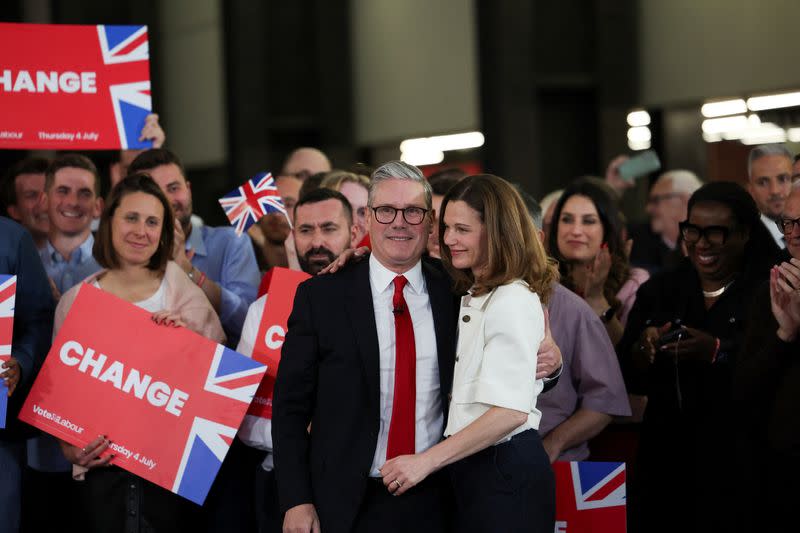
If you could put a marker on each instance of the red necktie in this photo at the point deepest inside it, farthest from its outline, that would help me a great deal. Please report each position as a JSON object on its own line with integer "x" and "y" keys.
{"x": 401, "y": 428}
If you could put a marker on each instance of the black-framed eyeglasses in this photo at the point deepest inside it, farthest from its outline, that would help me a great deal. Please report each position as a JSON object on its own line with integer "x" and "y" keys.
{"x": 385, "y": 214}
{"x": 787, "y": 225}
{"x": 716, "y": 235}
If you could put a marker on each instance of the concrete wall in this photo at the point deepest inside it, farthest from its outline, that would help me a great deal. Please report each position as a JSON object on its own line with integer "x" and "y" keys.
{"x": 415, "y": 68}
{"x": 192, "y": 77}
{"x": 696, "y": 49}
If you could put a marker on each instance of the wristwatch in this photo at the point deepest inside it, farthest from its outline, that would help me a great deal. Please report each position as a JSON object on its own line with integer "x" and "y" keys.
{"x": 607, "y": 315}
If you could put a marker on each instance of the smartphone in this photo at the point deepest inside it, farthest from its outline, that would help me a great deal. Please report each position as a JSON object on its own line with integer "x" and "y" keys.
{"x": 673, "y": 335}
{"x": 639, "y": 165}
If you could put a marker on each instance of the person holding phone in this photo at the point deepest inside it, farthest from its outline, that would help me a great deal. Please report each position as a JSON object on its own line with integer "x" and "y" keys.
{"x": 684, "y": 475}
{"x": 588, "y": 242}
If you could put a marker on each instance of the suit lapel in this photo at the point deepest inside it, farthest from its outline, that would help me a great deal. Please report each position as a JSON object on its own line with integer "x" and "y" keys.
{"x": 444, "y": 310}
{"x": 358, "y": 303}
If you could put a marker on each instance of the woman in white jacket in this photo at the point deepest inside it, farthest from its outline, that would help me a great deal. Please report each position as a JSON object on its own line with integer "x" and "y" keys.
{"x": 501, "y": 474}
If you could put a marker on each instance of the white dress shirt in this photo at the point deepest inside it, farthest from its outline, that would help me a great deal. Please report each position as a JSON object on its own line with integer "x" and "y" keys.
{"x": 429, "y": 411}
{"x": 774, "y": 230}
{"x": 498, "y": 338}
{"x": 255, "y": 431}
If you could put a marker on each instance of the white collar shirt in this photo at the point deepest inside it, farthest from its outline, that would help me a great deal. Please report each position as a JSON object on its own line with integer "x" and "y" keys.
{"x": 774, "y": 230}
{"x": 429, "y": 410}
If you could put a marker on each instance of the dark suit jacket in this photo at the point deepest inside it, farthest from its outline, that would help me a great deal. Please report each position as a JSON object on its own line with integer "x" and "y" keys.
{"x": 329, "y": 377}
{"x": 33, "y": 315}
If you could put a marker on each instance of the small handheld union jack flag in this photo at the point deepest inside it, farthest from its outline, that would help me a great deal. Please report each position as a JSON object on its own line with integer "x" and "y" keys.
{"x": 257, "y": 197}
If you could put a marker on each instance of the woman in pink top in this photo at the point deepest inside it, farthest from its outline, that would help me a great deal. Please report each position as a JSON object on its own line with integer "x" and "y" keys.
{"x": 134, "y": 244}
{"x": 587, "y": 240}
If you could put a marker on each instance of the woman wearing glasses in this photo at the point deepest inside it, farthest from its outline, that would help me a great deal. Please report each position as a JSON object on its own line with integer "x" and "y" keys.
{"x": 679, "y": 347}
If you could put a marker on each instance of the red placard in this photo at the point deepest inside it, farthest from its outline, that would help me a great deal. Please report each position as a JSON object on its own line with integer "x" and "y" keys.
{"x": 590, "y": 497}
{"x": 73, "y": 87}
{"x": 168, "y": 399}
{"x": 280, "y": 284}
{"x": 8, "y": 292}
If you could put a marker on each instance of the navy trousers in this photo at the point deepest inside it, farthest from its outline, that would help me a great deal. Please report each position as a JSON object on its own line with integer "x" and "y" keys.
{"x": 509, "y": 487}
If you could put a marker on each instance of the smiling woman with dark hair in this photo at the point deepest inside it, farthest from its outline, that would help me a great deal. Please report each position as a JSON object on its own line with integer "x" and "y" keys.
{"x": 684, "y": 473}
{"x": 134, "y": 244}
{"x": 587, "y": 238}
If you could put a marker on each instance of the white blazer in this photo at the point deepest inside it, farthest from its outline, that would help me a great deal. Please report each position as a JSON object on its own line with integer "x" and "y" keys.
{"x": 498, "y": 337}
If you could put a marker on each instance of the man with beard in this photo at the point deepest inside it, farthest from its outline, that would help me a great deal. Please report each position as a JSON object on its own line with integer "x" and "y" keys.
{"x": 23, "y": 197}
{"x": 323, "y": 228}
{"x": 769, "y": 181}
{"x": 221, "y": 264}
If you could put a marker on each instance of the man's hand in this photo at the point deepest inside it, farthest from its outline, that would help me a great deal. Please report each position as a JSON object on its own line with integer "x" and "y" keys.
{"x": 301, "y": 519}
{"x": 612, "y": 175}
{"x": 152, "y": 131}
{"x": 548, "y": 359}
{"x": 179, "y": 254}
{"x": 11, "y": 374}
{"x": 54, "y": 289}
{"x": 89, "y": 456}
{"x": 291, "y": 253}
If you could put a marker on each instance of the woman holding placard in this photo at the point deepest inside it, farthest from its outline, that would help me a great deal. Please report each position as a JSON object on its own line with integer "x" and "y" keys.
{"x": 134, "y": 244}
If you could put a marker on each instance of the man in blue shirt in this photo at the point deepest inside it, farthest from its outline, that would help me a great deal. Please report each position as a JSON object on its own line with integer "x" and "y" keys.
{"x": 72, "y": 188}
{"x": 216, "y": 259}
{"x": 33, "y": 325}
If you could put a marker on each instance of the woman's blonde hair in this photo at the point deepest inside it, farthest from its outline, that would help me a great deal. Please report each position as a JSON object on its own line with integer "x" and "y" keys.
{"x": 336, "y": 178}
{"x": 514, "y": 249}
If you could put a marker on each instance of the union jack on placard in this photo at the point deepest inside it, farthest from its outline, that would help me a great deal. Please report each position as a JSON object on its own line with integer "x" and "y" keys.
{"x": 257, "y": 197}
{"x": 233, "y": 376}
{"x": 598, "y": 485}
{"x": 206, "y": 447}
{"x": 8, "y": 291}
{"x": 132, "y": 101}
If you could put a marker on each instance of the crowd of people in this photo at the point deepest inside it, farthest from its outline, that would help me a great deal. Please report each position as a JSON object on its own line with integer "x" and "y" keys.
{"x": 455, "y": 339}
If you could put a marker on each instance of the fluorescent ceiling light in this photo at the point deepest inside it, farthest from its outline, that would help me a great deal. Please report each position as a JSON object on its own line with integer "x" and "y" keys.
{"x": 721, "y": 125}
{"x": 443, "y": 143}
{"x": 767, "y": 129}
{"x": 777, "y": 135}
{"x": 638, "y": 118}
{"x": 793, "y": 134}
{"x": 638, "y": 145}
{"x": 773, "y": 101}
{"x": 422, "y": 156}
{"x": 723, "y": 108}
{"x": 639, "y": 134}
{"x": 712, "y": 137}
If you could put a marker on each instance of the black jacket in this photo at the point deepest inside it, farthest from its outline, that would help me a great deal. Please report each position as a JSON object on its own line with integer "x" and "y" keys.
{"x": 329, "y": 377}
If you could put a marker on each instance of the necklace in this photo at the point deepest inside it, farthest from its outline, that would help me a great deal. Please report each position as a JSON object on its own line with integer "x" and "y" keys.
{"x": 718, "y": 292}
